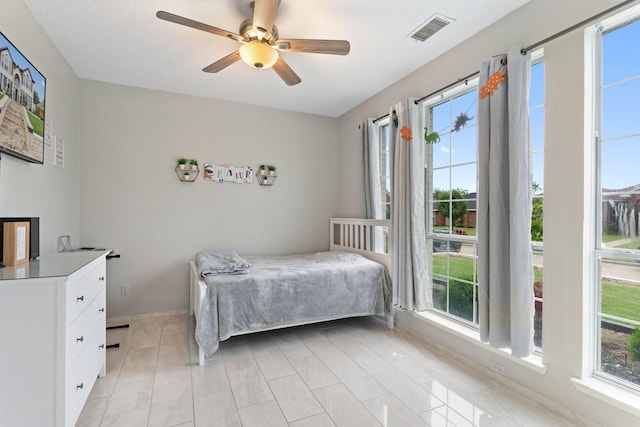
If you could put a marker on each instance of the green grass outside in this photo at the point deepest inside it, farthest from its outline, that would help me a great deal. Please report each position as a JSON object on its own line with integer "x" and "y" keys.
{"x": 458, "y": 267}
{"x": 631, "y": 245}
{"x": 37, "y": 123}
{"x": 617, "y": 300}
{"x": 621, "y": 301}
{"x": 610, "y": 237}
{"x": 1, "y": 95}
{"x": 463, "y": 267}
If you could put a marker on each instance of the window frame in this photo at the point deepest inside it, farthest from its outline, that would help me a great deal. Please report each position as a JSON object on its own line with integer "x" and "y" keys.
{"x": 463, "y": 88}
{"x": 537, "y": 57}
{"x": 382, "y": 126}
{"x": 599, "y": 250}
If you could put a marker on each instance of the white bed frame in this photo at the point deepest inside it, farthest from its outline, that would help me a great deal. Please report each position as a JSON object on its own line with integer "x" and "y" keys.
{"x": 368, "y": 237}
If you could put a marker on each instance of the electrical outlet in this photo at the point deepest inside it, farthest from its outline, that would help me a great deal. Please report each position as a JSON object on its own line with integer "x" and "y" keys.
{"x": 124, "y": 289}
{"x": 496, "y": 367}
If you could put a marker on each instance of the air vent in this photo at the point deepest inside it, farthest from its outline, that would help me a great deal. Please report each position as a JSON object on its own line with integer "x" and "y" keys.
{"x": 430, "y": 27}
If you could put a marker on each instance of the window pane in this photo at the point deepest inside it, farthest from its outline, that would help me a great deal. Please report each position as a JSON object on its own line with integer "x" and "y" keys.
{"x": 538, "y": 170}
{"x": 451, "y": 199}
{"x": 464, "y": 145}
{"x": 536, "y": 90}
{"x": 620, "y": 163}
{"x": 620, "y": 105}
{"x": 620, "y": 318}
{"x": 538, "y": 298}
{"x": 616, "y": 45}
{"x": 441, "y": 180}
{"x": 385, "y": 172}
{"x": 441, "y": 118}
{"x": 464, "y": 177}
{"x": 536, "y": 120}
{"x": 464, "y": 106}
{"x": 620, "y": 221}
{"x": 442, "y": 152}
{"x": 454, "y": 280}
{"x": 617, "y": 296}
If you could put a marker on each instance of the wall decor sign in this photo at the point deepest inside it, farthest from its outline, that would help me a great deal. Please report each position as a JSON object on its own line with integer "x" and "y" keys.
{"x": 58, "y": 151}
{"x": 228, "y": 173}
{"x": 22, "y": 102}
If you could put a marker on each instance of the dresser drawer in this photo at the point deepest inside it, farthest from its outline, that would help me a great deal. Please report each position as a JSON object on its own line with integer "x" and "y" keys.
{"x": 81, "y": 378}
{"x": 82, "y": 290}
{"x": 89, "y": 325}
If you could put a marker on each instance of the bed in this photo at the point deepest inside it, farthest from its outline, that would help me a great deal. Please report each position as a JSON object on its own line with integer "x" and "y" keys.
{"x": 350, "y": 280}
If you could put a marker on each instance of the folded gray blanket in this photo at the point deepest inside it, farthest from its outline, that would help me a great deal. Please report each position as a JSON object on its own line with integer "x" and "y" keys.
{"x": 213, "y": 263}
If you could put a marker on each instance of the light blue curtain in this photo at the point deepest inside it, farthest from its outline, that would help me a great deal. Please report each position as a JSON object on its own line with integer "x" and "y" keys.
{"x": 504, "y": 207}
{"x": 372, "y": 179}
{"x": 410, "y": 275}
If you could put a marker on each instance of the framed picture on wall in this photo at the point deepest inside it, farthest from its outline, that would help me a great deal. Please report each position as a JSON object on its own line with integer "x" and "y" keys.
{"x": 22, "y": 102}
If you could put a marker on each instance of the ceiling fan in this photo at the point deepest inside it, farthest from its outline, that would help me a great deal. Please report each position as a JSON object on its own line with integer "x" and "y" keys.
{"x": 261, "y": 43}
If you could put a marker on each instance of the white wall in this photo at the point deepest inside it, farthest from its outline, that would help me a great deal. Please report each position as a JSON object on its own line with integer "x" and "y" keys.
{"x": 132, "y": 201}
{"x": 46, "y": 191}
{"x": 567, "y": 201}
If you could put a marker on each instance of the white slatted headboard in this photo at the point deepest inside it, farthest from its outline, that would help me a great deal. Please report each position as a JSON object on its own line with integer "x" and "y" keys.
{"x": 369, "y": 237}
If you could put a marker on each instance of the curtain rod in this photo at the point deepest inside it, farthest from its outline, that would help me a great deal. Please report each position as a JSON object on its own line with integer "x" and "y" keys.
{"x": 576, "y": 26}
{"x": 384, "y": 116}
{"x": 442, "y": 89}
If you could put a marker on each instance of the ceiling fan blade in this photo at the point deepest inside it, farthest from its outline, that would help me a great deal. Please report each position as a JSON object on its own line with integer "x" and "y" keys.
{"x": 286, "y": 73}
{"x": 176, "y": 19}
{"x": 264, "y": 14}
{"x": 331, "y": 47}
{"x": 223, "y": 63}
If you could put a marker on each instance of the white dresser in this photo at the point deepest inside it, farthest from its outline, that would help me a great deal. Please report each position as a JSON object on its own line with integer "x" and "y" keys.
{"x": 52, "y": 337}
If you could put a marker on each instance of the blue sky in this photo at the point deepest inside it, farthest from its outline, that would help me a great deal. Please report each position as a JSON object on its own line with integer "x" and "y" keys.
{"x": 39, "y": 81}
{"x": 621, "y": 107}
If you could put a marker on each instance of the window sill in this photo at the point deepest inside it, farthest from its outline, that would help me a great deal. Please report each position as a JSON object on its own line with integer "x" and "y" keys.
{"x": 533, "y": 362}
{"x": 612, "y": 394}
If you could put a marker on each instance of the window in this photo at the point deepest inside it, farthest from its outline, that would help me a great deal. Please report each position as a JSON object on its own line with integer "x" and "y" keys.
{"x": 617, "y": 184}
{"x": 385, "y": 170}
{"x": 5, "y": 61}
{"x": 536, "y": 119}
{"x": 451, "y": 202}
{"x": 451, "y": 178}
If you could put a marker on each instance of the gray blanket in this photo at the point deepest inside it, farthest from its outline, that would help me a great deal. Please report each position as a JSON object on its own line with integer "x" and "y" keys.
{"x": 221, "y": 262}
{"x": 291, "y": 290}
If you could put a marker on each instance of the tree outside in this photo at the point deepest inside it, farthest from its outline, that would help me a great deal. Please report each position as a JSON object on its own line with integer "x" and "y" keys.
{"x": 454, "y": 201}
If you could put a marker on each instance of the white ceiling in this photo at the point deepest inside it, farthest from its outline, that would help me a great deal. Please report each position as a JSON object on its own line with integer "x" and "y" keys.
{"x": 122, "y": 42}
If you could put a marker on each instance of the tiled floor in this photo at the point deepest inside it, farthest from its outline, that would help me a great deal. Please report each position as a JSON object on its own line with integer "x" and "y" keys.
{"x": 346, "y": 373}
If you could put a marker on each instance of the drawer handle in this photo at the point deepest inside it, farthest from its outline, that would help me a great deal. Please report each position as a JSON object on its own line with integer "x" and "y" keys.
{"x": 101, "y": 310}
{"x": 80, "y": 298}
{"x": 81, "y": 339}
{"x": 101, "y": 278}
{"x": 101, "y": 346}
{"x": 81, "y": 386}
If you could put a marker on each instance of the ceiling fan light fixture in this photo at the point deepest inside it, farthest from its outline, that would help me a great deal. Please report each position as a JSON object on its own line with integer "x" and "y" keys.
{"x": 258, "y": 54}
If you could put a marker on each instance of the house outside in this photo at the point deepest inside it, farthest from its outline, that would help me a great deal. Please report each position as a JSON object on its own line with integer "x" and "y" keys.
{"x": 620, "y": 211}
{"x": 468, "y": 220}
{"x": 15, "y": 82}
